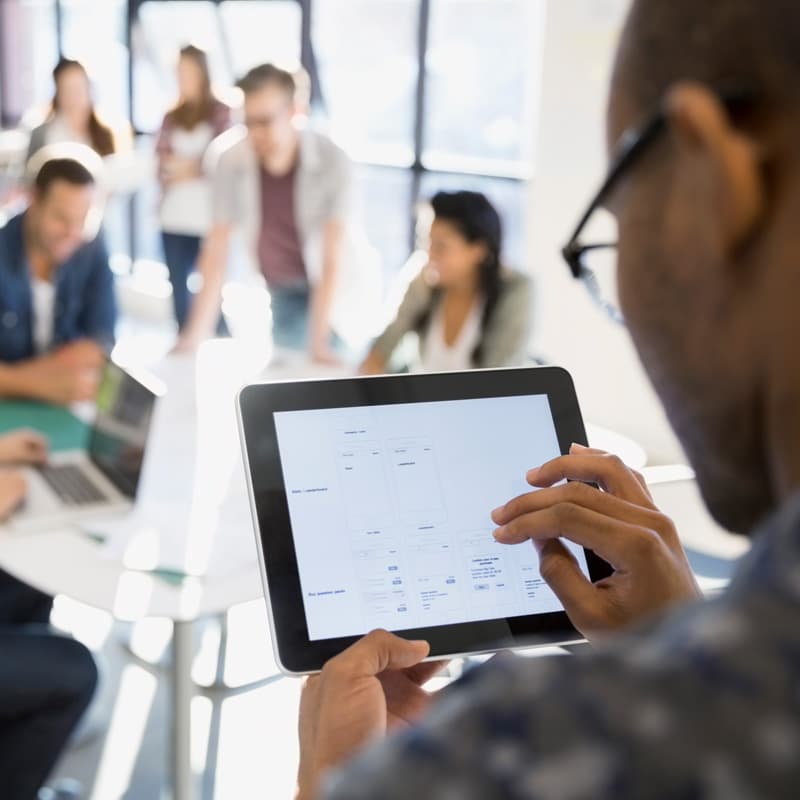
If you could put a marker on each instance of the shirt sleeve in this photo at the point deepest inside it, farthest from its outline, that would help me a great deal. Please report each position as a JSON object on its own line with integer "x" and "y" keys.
{"x": 688, "y": 708}
{"x": 163, "y": 145}
{"x": 221, "y": 118}
{"x": 225, "y": 190}
{"x": 340, "y": 195}
{"x": 485, "y": 738}
{"x": 513, "y": 729}
{"x": 413, "y": 305}
{"x": 509, "y": 331}
{"x": 99, "y": 314}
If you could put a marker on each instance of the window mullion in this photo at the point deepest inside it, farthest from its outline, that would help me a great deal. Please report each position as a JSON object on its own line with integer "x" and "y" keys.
{"x": 419, "y": 113}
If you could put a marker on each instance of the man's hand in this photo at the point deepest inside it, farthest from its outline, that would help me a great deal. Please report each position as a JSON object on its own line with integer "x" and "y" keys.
{"x": 12, "y": 492}
{"x": 83, "y": 353}
{"x": 175, "y": 169}
{"x": 54, "y": 380}
{"x": 619, "y": 523}
{"x": 323, "y": 354}
{"x": 23, "y": 447}
{"x": 185, "y": 344}
{"x": 373, "y": 686}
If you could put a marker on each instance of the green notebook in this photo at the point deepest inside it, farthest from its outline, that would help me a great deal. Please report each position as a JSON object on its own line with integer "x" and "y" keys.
{"x": 63, "y": 429}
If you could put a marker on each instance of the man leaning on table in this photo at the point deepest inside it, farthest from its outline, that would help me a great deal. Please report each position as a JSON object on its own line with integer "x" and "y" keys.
{"x": 287, "y": 189}
{"x": 57, "y": 305}
{"x": 701, "y": 700}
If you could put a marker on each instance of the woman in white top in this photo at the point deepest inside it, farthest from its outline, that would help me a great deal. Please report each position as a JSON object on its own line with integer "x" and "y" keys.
{"x": 72, "y": 116}
{"x": 185, "y": 212}
{"x": 466, "y": 308}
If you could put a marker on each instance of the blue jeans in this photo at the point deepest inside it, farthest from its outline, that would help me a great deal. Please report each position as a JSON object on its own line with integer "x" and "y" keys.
{"x": 291, "y": 312}
{"x": 180, "y": 256}
{"x": 46, "y": 683}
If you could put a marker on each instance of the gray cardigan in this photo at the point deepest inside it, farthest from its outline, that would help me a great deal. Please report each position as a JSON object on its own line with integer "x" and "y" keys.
{"x": 505, "y": 339}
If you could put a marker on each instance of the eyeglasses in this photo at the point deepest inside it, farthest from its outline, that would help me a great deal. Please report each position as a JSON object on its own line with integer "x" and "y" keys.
{"x": 267, "y": 120}
{"x": 595, "y": 263}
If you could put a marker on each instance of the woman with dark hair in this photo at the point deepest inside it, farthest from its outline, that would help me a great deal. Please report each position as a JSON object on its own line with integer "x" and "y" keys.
{"x": 72, "y": 116}
{"x": 466, "y": 308}
{"x": 185, "y": 212}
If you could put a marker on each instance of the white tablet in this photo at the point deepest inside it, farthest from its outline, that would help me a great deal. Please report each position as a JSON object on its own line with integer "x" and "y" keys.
{"x": 371, "y": 501}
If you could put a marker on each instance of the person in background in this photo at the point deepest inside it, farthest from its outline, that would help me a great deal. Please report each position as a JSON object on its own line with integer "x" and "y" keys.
{"x": 72, "y": 116}
{"x": 57, "y": 304}
{"x": 467, "y": 309}
{"x": 185, "y": 210}
{"x": 288, "y": 190}
{"x": 46, "y": 680}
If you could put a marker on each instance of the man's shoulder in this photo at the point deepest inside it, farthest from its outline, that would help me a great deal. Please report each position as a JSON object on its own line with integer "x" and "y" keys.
{"x": 710, "y": 687}
{"x": 513, "y": 282}
{"x": 88, "y": 261}
{"x": 12, "y": 226}
{"x": 230, "y": 150}
{"x": 320, "y": 150}
{"x": 11, "y": 241}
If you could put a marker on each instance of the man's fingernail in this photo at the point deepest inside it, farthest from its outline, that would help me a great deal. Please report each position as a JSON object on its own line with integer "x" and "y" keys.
{"x": 532, "y": 473}
{"x": 500, "y": 534}
{"x": 575, "y": 446}
{"x": 497, "y": 511}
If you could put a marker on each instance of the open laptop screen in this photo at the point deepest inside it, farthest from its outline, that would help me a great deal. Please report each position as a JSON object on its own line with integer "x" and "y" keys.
{"x": 119, "y": 434}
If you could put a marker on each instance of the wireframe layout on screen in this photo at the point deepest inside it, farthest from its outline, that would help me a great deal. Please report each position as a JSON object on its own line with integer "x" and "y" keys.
{"x": 390, "y": 511}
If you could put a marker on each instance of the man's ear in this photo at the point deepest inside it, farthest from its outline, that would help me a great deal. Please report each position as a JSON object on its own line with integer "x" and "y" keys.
{"x": 704, "y": 132}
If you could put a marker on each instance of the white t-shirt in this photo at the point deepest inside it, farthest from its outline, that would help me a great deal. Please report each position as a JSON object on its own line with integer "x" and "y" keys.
{"x": 44, "y": 297}
{"x": 59, "y": 132}
{"x": 186, "y": 206}
{"x": 437, "y": 356}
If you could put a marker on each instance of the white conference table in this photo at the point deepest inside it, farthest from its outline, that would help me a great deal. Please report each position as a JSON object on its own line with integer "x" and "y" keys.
{"x": 192, "y": 505}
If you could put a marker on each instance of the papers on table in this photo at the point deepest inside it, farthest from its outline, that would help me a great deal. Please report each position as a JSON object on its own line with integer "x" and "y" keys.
{"x": 180, "y": 539}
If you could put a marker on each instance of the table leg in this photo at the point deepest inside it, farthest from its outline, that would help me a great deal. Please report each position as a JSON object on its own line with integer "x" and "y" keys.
{"x": 181, "y": 680}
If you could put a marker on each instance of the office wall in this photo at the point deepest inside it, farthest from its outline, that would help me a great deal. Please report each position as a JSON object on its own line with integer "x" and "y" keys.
{"x": 570, "y": 159}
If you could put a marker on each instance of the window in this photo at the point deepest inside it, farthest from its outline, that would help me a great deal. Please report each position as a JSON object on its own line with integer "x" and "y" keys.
{"x": 256, "y": 31}
{"x": 25, "y": 71}
{"x": 385, "y": 197}
{"x": 94, "y": 34}
{"x": 367, "y": 56}
{"x": 478, "y": 99}
{"x": 463, "y": 121}
{"x": 423, "y": 94}
{"x": 162, "y": 29}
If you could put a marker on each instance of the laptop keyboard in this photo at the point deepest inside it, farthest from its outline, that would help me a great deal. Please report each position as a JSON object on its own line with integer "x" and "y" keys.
{"x": 71, "y": 484}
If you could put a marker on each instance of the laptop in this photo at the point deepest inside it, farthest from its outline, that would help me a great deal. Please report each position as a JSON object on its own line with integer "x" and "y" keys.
{"x": 104, "y": 478}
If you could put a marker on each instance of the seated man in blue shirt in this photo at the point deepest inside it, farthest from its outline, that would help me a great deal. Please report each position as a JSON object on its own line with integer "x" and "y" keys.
{"x": 46, "y": 680}
{"x": 57, "y": 306}
{"x": 701, "y": 700}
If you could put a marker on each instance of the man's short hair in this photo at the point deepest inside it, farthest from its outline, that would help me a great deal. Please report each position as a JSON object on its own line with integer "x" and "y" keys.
{"x": 67, "y": 161}
{"x": 752, "y": 45}
{"x": 62, "y": 169}
{"x": 265, "y": 75}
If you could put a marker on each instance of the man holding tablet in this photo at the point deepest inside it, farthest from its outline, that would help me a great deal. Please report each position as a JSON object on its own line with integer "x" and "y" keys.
{"x": 371, "y": 497}
{"x": 702, "y": 703}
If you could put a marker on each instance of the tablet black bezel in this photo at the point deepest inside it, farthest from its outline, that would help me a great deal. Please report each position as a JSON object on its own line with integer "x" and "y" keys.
{"x": 257, "y": 404}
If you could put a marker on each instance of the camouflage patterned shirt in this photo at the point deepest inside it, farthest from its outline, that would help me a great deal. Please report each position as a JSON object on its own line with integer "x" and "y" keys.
{"x": 706, "y": 705}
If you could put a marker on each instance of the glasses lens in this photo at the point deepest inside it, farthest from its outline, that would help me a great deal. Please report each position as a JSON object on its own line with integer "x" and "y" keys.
{"x": 599, "y": 262}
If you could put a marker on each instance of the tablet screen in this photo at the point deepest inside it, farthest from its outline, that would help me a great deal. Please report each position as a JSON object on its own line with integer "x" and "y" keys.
{"x": 390, "y": 511}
